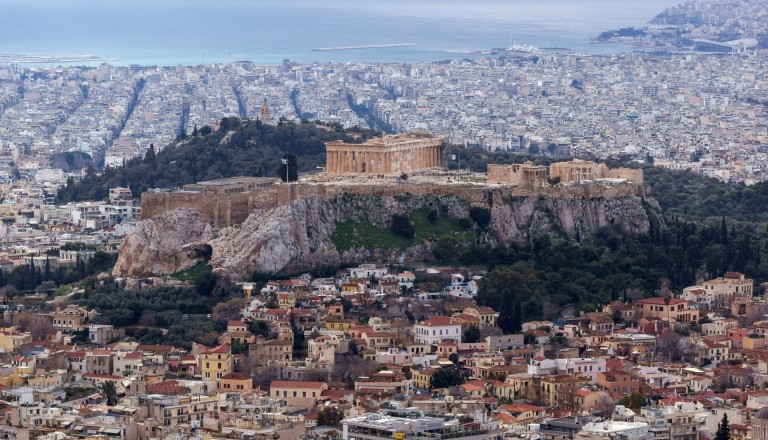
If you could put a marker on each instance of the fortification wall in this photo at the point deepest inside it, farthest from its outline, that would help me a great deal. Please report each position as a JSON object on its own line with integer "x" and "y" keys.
{"x": 233, "y": 209}
{"x": 626, "y": 173}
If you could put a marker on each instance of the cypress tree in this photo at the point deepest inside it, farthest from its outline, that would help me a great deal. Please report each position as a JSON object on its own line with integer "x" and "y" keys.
{"x": 723, "y": 231}
{"x": 723, "y": 429}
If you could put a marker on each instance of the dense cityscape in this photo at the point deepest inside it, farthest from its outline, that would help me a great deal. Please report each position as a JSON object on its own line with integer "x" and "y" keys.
{"x": 390, "y": 293}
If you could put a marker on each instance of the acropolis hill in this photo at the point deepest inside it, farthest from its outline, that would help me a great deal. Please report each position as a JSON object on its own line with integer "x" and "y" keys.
{"x": 377, "y": 167}
{"x": 252, "y": 224}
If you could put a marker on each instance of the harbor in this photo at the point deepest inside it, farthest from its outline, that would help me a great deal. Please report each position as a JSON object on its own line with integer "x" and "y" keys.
{"x": 368, "y": 46}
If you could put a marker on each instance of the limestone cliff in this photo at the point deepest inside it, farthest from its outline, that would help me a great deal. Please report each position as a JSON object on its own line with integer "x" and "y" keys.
{"x": 297, "y": 236}
{"x": 167, "y": 243}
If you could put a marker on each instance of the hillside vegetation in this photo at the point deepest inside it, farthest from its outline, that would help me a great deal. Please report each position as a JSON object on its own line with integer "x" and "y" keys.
{"x": 688, "y": 194}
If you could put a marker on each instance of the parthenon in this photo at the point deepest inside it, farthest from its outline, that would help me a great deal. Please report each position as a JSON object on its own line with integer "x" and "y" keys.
{"x": 390, "y": 155}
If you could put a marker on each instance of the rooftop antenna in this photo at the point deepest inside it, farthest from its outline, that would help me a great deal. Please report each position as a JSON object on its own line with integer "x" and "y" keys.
{"x": 203, "y": 62}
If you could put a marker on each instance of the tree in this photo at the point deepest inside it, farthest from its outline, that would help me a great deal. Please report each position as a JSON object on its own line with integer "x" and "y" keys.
{"x": 108, "y": 390}
{"x": 603, "y": 405}
{"x": 331, "y": 416}
{"x": 447, "y": 248}
{"x": 299, "y": 340}
{"x": 634, "y": 400}
{"x": 259, "y": 328}
{"x": 446, "y": 377}
{"x": 723, "y": 429}
{"x": 288, "y": 161}
{"x": 150, "y": 156}
{"x": 505, "y": 289}
{"x": 471, "y": 334}
{"x": 401, "y": 225}
{"x": 349, "y": 367}
{"x": 481, "y": 216}
{"x": 206, "y": 282}
{"x": 227, "y": 310}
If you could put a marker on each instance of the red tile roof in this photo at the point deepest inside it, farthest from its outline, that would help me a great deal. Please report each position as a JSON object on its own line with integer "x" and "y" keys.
{"x": 438, "y": 321}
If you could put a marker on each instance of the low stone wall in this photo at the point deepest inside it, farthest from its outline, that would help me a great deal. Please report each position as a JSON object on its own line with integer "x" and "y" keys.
{"x": 233, "y": 209}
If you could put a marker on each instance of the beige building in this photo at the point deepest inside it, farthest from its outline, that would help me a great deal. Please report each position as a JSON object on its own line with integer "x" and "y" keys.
{"x": 171, "y": 411}
{"x": 275, "y": 350}
{"x": 517, "y": 174}
{"x": 70, "y": 319}
{"x": 391, "y": 155}
{"x": 298, "y": 393}
{"x": 673, "y": 309}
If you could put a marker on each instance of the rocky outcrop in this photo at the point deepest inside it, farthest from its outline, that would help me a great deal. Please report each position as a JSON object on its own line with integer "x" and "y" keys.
{"x": 297, "y": 236}
{"x": 167, "y": 243}
{"x": 272, "y": 240}
{"x": 521, "y": 218}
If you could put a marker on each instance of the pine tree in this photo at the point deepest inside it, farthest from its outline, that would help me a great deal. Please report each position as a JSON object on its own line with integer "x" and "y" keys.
{"x": 723, "y": 429}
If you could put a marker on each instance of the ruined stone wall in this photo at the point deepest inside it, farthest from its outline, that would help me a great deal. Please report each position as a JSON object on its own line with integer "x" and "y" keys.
{"x": 502, "y": 173}
{"x": 626, "y": 173}
{"x": 233, "y": 209}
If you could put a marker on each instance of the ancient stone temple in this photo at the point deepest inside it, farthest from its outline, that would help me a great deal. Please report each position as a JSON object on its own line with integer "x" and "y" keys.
{"x": 517, "y": 174}
{"x": 392, "y": 155}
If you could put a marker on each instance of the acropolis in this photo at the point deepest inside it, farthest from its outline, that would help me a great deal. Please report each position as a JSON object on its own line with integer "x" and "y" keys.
{"x": 388, "y": 155}
{"x": 376, "y": 167}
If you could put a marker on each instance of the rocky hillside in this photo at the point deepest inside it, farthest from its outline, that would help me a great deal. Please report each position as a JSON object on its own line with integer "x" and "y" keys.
{"x": 307, "y": 232}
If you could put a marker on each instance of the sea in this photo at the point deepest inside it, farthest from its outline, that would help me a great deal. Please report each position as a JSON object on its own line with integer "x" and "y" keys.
{"x": 193, "y": 32}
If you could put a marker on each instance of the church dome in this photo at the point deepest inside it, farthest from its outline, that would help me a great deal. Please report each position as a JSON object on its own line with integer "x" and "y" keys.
{"x": 762, "y": 414}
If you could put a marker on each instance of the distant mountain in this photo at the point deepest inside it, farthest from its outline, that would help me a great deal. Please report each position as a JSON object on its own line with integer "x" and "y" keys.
{"x": 237, "y": 148}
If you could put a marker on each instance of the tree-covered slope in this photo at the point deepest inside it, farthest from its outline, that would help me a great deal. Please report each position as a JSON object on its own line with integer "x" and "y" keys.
{"x": 238, "y": 148}
{"x": 689, "y": 194}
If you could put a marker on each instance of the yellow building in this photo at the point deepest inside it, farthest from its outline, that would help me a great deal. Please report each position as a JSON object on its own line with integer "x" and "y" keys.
{"x": 10, "y": 339}
{"x": 286, "y": 301}
{"x": 339, "y": 324}
{"x": 421, "y": 378}
{"x": 522, "y": 387}
{"x": 674, "y": 309}
{"x": 236, "y": 382}
{"x": 70, "y": 319}
{"x": 216, "y": 362}
{"x": 561, "y": 390}
{"x": 379, "y": 340}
